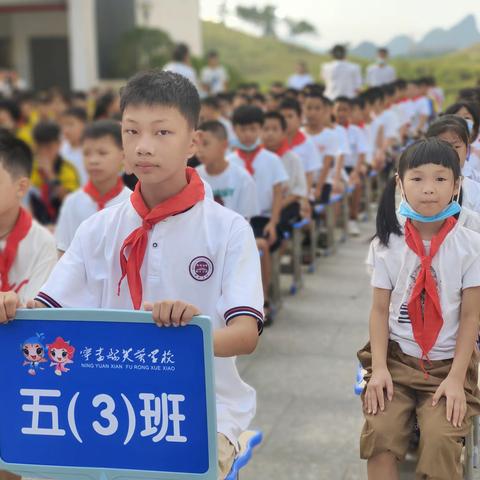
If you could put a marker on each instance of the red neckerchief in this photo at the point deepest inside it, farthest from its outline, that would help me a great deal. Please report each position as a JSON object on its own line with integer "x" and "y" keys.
{"x": 102, "y": 200}
{"x": 298, "y": 139}
{"x": 283, "y": 148}
{"x": 361, "y": 124}
{"x": 9, "y": 253}
{"x": 426, "y": 313}
{"x": 249, "y": 157}
{"x": 193, "y": 193}
{"x": 45, "y": 195}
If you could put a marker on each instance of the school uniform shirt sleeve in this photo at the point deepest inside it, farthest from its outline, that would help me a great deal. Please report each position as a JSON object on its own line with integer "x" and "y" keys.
{"x": 68, "y": 285}
{"x": 377, "y": 262}
{"x": 64, "y": 230}
{"x": 45, "y": 253}
{"x": 298, "y": 181}
{"x": 362, "y": 143}
{"x": 68, "y": 177}
{"x": 313, "y": 160}
{"x": 248, "y": 203}
{"x": 471, "y": 276}
{"x": 242, "y": 292}
{"x": 279, "y": 173}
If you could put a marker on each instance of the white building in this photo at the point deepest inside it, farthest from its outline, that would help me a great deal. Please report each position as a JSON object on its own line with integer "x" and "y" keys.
{"x": 68, "y": 43}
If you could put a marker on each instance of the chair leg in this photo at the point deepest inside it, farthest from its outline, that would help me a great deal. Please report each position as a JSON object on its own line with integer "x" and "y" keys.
{"x": 468, "y": 460}
{"x": 297, "y": 260}
{"x": 330, "y": 219}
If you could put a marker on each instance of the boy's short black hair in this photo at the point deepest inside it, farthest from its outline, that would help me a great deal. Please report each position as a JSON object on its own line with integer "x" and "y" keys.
{"x": 339, "y": 52}
{"x": 247, "y": 115}
{"x": 374, "y": 94}
{"x": 359, "y": 102}
{"x": 291, "y": 104}
{"x": 389, "y": 89}
{"x": 76, "y": 112}
{"x": 217, "y": 129}
{"x": 46, "y": 132}
{"x": 212, "y": 54}
{"x": 158, "y": 87}
{"x": 104, "y": 128}
{"x": 343, "y": 99}
{"x": 276, "y": 116}
{"x": 180, "y": 52}
{"x": 212, "y": 102}
{"x": 11, "y": 107}
{"x": 15, "y": 155}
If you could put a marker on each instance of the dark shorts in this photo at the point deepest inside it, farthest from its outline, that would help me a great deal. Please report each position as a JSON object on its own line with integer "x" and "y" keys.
{"x": 326, "y": 192}
{"x": 288, "y": 216}
{"x": 258, "y": 224}
{"x": 349, "y": 170}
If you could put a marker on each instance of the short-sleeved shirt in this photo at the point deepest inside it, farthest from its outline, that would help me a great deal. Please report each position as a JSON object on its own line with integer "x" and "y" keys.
{"x": 471, "y": 168}
{"x": 471, "y": 194}
{"x": 35, "y": 259}
{"x": 312, "y": 161}
{"x": 378, "y": 75}
{"x": 297, "y": 182}
{"x": 455, "y": 267}
{"x": 227, "y": 285}
{"x": 358, "y": 145}
{"x": 234, "y": 188}
{"x": 215, "y": 78}
{"x": 268, "y": 171}
{"x": 342, "y": 79}
{"x": 327, "y": 143}
{"x": 391, "y": 127}
{"x": 299, "y": 80}
{"x": 76, "y": 208}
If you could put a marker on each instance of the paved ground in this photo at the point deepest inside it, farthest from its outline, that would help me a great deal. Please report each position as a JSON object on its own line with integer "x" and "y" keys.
{"x": 304, "y": 373}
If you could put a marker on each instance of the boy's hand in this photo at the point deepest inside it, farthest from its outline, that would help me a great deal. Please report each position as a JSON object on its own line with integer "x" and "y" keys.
{"x": 374, "y": 396}
{"x": 169, "y": 313}
{"x": 452, "y": 389}
{"x": 9, "y": 302}
{"x": 270, "y": 232}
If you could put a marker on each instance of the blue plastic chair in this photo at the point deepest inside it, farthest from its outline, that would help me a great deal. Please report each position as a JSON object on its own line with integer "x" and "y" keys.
{"x": 248, "y": 441}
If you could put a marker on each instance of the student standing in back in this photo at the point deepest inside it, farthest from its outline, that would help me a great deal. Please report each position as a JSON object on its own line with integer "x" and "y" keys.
{"x": 380, "y": 73}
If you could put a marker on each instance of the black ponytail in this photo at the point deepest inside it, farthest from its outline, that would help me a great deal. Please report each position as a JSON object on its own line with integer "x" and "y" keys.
{"x": 387, "y": 220}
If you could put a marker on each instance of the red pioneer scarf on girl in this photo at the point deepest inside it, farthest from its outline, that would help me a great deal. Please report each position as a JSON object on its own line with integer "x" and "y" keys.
{"x": 298, "y": 139}
{"x": 102, "y": 200}
{"x": 426, "y": 313}
{"x": 248, "y": 158}
{"x": 9, "y": 253}
{"x": 283, "y": 148}
{"x": 193, "y": 193}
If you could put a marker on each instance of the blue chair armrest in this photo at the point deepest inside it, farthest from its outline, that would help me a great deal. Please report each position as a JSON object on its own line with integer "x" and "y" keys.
{"x": 359, "y": 381}
{"x": 301, "y": 223}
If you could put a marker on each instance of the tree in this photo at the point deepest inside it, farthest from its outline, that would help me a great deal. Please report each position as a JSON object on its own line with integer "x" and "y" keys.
{"x": 300, "y": 27}
{"x": 264, "y": 18}
{"x": 140, "y": 49}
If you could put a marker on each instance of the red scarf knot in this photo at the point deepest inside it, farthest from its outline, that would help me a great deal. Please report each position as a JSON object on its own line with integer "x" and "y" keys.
{"x": 249, "y": 157}
{"x": 98, "y": 198}
{"x": 136, "y": 242}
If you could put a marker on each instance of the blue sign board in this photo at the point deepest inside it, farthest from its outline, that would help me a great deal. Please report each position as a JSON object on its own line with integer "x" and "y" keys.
{"x": 106, "y": 394}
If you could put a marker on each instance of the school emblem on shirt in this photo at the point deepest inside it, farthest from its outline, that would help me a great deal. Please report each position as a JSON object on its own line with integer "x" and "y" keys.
{"x": 201, "y": 268}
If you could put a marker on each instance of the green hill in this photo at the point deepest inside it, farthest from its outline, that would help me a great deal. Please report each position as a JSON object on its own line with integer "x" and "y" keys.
{"x": 257, "y": 59}
{"x": 264, "y": 60}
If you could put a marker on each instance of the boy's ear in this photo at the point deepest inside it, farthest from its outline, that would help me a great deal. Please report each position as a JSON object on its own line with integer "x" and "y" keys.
{"x": 23, "y": 186}
{"x": 194, "y": 144}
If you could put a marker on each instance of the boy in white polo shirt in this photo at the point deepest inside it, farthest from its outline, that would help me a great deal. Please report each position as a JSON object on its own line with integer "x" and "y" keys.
{"x": 170, "y": 242}
{"x": 103, "y": 159}
{"x": 269, "y": 175}
{"x": 233, "y": 187}
{"x": 27, "y": 250}
{"x": 298, "y": 142}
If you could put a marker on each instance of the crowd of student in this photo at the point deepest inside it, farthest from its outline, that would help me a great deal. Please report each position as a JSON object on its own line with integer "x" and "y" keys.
{"x": 269, "y": 157}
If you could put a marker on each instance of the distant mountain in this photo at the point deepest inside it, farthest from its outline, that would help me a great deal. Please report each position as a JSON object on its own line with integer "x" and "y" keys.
{"x": 436, "y": 42}
{"x": 365, "y": 49}
{"x": 400, "y": 45}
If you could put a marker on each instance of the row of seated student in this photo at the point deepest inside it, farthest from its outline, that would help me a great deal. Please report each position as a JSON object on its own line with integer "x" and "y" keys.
{"x": 269, "y": 165}
{"x": 270, "y": 161}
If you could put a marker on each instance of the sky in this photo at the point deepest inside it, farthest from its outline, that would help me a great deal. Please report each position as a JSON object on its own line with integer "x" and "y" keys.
{"x": 352, "y": 21}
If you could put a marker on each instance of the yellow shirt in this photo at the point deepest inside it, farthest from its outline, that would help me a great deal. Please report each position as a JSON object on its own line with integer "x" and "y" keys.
{"x": 66, "y": 174}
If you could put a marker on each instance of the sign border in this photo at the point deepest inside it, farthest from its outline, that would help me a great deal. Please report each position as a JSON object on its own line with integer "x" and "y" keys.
{"x": 90, "y": 473}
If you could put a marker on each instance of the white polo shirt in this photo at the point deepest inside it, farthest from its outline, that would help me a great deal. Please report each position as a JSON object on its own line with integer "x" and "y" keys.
{"x": 36, "y": 256}
{"x": 297, "y": 182}
{"x": 380, "y": 74}
{"x": 312, "y": 161}
{"x": 87, "y": 277}
{"x": 234, "y": 188}
{"x": 357, "y": 141}
{"x": 456, "y": 266}
{"x": 342, "y": 79}
{"x": 327, "y": 143}
{"x": 471, "y": 194}
{"x": 76, "y": 208}
{"x": 268, "y": 172}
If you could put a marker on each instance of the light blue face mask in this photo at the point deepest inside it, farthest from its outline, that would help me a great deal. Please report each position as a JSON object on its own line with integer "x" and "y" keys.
{"x": 250, "y": 148}
{"x": 469, "y": 124}
{"x": 405, "y": 210}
